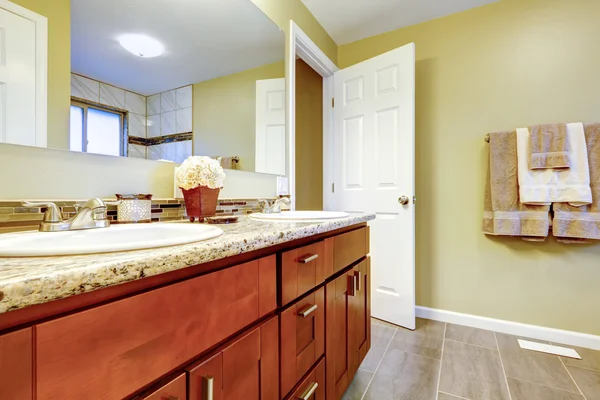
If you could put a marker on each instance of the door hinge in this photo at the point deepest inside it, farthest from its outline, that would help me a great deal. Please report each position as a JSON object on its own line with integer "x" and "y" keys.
{"x": 333, "y": 188}
{"x": 332, "y": 102}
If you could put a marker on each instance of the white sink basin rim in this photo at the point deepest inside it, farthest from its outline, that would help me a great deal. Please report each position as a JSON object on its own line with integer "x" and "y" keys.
{"x": 299, "y": 216}
{"x": 104, "y": 240}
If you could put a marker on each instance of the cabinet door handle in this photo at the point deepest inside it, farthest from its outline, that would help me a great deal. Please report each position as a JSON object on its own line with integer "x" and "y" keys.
{"x": 306, "y": 311}
{"x": 167, "y": 397}
{"x": 358, "y": 276}
{"x": 351, "y": 285}
{"x": 307, "y": 259}
{"x": 207, "y": 387}
{"x": 309, "y": 392}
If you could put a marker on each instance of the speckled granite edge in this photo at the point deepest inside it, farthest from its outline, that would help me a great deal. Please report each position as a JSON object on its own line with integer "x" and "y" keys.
{"x": 28, "y": 281}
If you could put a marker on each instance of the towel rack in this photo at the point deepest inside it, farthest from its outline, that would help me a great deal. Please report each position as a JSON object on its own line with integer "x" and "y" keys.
{"x": 487, "y": 137}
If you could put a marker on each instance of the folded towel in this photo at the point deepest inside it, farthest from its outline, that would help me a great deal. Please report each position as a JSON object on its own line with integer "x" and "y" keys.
{"x": 503, "y": 213}
{"x": 228, "y": 162}
{"x": 572, "y": 223}
{"x": 546, "y": 186}
{"x": 548, "y": 146}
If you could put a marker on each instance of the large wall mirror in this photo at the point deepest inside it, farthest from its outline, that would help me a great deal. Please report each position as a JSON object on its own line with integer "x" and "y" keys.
{"x": 165, "y": 79}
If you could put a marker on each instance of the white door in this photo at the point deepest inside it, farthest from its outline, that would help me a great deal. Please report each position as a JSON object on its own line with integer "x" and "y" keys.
{"x": 21, "y": 69}
{"x": 270, "y": 126}
{"x": 374, "y": 118}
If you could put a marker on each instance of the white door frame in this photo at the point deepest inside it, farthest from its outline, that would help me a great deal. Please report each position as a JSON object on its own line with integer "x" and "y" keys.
{"x": 300, "y": 45}
{"x": 41, "y": 68}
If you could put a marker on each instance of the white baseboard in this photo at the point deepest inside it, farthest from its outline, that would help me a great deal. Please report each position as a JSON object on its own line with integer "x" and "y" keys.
{"x": 512, "y": 328}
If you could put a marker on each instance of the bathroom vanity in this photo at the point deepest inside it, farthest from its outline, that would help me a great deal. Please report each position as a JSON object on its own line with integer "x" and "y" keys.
{"x": 266, "y": 311}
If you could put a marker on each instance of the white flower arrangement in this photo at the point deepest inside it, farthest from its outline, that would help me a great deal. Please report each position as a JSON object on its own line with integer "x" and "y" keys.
{"x": 199, "y": 171}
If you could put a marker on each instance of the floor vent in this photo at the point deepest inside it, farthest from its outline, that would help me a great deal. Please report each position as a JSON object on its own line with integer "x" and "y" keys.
{"x": 548, "y": 348}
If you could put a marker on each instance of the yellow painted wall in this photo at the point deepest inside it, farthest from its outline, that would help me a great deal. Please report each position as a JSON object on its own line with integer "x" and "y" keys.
{"x": 509, "y": 64}
{"x": 58, "y": 13}
{"x": 282, "y": 11}
{"x": 225, "y": 114}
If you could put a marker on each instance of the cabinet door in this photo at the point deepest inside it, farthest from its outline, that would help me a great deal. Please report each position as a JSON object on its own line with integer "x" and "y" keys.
{"x": 359, "y": 315}
{"x": 173, "y": 390}
{"x": 337, "y": 353}
{"x": 16, "y": 365}
{"x": 246, "y": 369}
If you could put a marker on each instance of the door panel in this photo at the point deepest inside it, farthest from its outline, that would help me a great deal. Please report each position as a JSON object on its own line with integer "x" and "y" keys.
{"x": 17, "y": 79}
{"x": 270, "y": 126}
{"x": 374, "y": 130}
{"x": 16, "y": 364}
{"x": 359, "y": 315}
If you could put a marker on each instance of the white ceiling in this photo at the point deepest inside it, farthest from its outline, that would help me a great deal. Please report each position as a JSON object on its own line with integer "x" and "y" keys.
{"x": 350, "y": 20}
{"x": 204, "y": 39}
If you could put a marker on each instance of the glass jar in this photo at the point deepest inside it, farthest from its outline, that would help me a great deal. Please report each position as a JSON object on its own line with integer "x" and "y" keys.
{"x": 134, "y": 208}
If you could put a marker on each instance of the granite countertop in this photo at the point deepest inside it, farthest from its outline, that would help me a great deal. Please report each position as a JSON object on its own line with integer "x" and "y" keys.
{"x": 35, "y": 280}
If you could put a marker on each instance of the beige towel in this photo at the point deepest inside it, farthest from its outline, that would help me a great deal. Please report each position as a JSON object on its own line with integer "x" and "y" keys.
{"x": 503, "y": 212}
{"x": 228, "y": 162}
{"x": 548, "y": 146}
{"x": 546, "y": 186}
{"x": 572, "y": 224}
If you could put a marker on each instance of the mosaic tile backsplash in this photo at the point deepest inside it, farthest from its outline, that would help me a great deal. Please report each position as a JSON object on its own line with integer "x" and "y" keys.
{"x": 14, "y": 217}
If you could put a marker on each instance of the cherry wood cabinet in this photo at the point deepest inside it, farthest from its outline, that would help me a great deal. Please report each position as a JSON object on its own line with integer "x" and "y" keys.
{"x": 313, "y": 386}
{"x": 302, "y": 338}
{"x": 347, "y": 327}
{"x": 246, "y": 369}
{"x": 287, "y": 322}
{"x": 16, "y": 365}
{"x": 174, "y": 389}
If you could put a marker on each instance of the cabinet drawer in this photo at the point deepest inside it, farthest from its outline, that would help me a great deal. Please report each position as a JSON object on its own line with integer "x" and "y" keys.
{"x": 301, "y": 270}
{"x": 313, "y": 386}
{"x": 247, "y": 368}
{"x": 111, "y": 351}
{"x": 302, "y": 338}
{"x": 16, "y": 365}
{"x": 348, "y": 248}
{"x": 176, "y": 389}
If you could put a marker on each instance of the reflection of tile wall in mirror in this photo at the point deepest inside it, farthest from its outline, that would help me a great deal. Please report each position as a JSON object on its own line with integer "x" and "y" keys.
{"x": 156, "y": 96}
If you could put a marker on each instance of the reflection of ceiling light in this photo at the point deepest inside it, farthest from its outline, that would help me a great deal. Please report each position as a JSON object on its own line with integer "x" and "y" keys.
{"x": 141, "y": 45}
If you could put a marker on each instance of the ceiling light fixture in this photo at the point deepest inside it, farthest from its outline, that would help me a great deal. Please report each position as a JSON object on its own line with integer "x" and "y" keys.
{"x": 141, "y": 45}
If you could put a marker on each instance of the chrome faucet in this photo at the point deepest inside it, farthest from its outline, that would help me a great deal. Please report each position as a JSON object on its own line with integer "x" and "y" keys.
{"x": 274, "y": 208}
{"x": 90, "y": 215}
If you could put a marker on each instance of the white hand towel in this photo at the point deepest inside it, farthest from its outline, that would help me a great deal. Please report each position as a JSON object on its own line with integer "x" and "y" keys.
{"x": 546, "y": 186}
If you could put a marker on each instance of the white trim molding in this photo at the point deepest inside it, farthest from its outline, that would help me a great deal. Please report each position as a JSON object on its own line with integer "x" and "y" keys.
{"x": 557, "y": 336}
{"x": 300, "y": 45}
{"x": 41, "y": 68}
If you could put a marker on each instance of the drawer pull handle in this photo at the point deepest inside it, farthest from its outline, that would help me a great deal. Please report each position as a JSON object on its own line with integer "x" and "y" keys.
{"x": 358, "y": 276}
{"x": 351, "y": 285}
{"x": 208, "y": 387}
{"x": 308, "y": 259}
{"x": 169, "y": 398}
{"x": 309, "y": 392}
{"x": 306, "y": 311}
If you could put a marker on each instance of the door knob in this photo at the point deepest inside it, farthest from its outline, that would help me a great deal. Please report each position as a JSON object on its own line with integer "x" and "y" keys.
{"x": 404, "y": 200}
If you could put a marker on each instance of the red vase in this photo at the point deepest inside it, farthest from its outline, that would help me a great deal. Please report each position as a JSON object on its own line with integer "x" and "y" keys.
{"x": 200, "y": 202}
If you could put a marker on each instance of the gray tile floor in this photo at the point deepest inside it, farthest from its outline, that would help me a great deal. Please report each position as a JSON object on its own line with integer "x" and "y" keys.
{"x": 449, "y": 362}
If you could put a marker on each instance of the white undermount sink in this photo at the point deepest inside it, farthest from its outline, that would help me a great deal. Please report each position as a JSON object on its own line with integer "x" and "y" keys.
{"x": 104, "y": 240}
{"x": 300, "y": 216}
